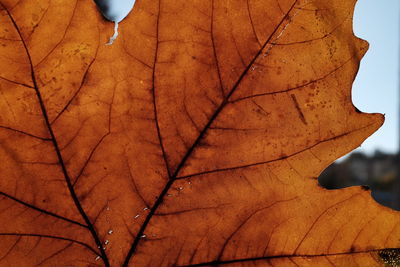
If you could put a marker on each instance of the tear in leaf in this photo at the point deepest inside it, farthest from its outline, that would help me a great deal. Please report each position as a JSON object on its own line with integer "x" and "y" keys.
{"x": 116, "y": 11}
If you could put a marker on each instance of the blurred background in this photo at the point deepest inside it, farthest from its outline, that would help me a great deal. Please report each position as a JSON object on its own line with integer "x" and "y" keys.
{"x": 376, "y": 89}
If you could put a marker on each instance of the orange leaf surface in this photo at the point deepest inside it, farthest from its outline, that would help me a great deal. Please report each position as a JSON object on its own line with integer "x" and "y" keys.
{"x": 195, "y": 139}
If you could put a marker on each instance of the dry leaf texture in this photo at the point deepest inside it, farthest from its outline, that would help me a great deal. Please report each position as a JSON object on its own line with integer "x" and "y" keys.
{"x": 195, "y": 139}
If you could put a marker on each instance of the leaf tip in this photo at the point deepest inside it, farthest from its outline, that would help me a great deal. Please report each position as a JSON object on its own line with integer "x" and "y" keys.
{"x": 376, "y": 120}
{"x": 380, "y": 118}
{"x": 361, "y": 47}
{"x": 365, "y": 188}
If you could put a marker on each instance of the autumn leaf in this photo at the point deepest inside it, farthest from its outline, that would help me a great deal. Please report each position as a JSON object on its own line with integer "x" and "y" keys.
{"x": 195, "y": 139}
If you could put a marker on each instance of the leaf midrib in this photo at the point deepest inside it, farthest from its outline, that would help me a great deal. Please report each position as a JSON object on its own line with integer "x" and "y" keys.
{"x": 189, "y": 152}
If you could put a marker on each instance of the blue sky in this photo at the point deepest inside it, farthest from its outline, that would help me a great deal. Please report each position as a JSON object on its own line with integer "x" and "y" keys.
{"x": 376, "y": 86}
